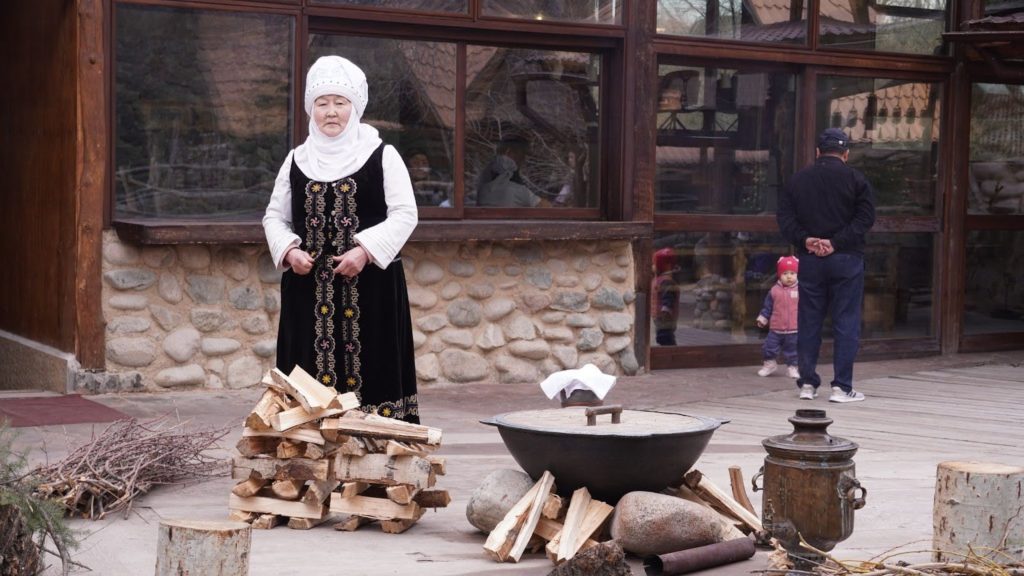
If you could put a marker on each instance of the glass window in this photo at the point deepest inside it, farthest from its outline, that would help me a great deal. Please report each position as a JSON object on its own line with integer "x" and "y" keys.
{"x": 759, "y": 21}
{"x": 904, "y": 26}
{"x": 994, "y": 291}
{"x": 448, "y": 6}
{"x": 412, "y": 104}
{"x": 1000, "y": 7}
{"x": 585, "y": 11}
{"x": 194, "y": 137}
{"x": 725, "y": 139}
{"x": 996, "y": 175}
{"x": 532, "y": 128}
{"x": 893, "y": 127}
{"x": 898, "y": 282}
{"x": 708, "y": 287}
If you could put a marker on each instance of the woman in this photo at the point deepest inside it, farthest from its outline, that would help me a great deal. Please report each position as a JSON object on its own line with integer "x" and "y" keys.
{"x": 341, "y": 210}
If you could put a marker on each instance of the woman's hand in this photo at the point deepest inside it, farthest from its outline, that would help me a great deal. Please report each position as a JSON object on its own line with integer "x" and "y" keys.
{"x": 352, "y": 262}
{"x": 300, "y": 261}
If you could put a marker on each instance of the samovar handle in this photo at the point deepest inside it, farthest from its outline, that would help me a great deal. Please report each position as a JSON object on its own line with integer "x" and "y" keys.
{"x": 850, "y": 493}
{"x": 753, "y": 481}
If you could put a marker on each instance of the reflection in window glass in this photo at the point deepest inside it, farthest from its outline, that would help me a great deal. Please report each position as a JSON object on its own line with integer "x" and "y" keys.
{"x": 532, "y": 128}
{"x": 585, "y": 11}
{"x": 725, "y": 139}
{"x": 202, "y": 111}
{"x": 894, "y": 135}
{"x": 758, "y": 21}
{"x": 994, "y": 290}
{"x": 1001, "y": 7}
{"x": 905, "y": 26}
{"x": 996, "y": 175}
{"x": 898, "y": 283}
{"x": 708, "y": 288}
{"x": 412, "y": 103}
{"x": 449, "y": 6}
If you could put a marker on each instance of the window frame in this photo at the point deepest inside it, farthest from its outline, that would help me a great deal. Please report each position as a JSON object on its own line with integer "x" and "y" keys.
{"x": 474, "y": 223}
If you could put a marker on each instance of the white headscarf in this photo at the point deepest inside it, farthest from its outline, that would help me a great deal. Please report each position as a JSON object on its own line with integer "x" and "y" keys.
{"x": 322, "y": 157}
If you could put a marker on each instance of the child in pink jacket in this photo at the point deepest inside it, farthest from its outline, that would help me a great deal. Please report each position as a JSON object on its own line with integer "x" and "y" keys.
{"x": 779, "y": 315}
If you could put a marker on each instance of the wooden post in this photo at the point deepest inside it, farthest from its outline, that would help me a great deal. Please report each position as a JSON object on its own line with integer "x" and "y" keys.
{"x": 208, "y": 547}
{"x": 978, "y": 504}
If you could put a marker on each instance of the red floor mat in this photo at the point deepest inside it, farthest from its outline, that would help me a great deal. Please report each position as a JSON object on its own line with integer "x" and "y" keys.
{"x": 47, "y": 410}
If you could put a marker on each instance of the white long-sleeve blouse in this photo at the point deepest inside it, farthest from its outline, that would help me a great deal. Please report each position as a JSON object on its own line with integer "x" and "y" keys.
{"x": 382, "y": 242}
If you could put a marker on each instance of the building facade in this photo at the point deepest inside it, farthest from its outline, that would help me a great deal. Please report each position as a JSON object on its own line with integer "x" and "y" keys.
{"x": 596, "y": 179}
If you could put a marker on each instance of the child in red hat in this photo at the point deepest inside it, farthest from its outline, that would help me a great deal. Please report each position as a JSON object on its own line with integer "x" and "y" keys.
{"x": 665, "y": 297}
{"x": 779, "y": 315}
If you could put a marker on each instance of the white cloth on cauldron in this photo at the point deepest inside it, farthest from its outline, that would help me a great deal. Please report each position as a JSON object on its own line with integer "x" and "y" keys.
{"x": 589, "y": 377}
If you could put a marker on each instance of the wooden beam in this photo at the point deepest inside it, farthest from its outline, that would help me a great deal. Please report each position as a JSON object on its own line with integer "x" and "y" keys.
{"x": 377, "y": 508}
{"x": 273, "y": 468}
{"x": 384, "y": 469}
{"x": 265, "y": 505}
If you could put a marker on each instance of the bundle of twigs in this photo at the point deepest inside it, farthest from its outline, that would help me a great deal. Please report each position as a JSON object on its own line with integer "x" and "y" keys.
{"x": 976, "y": 562}
{"x": 125, "y": 461}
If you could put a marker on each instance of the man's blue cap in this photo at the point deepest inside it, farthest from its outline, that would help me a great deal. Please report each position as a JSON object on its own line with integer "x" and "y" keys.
{"x": 833, "y": 140}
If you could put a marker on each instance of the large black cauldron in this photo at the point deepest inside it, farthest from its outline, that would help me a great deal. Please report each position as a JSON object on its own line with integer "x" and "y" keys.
{"x": 636, "y": 450}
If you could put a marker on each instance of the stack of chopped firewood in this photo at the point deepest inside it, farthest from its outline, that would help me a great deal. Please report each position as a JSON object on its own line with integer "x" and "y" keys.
{"x": 307, "y": 454}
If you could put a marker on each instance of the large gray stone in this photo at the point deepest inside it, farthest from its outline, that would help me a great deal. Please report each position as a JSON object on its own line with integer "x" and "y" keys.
{"x": 590, "y": 339}
{"x": 194, "y": 257}
{"x": 498, "y": 308}
{"x": 266, "y": 271}
{"x": 607, "y": 299}
{"x": 130, "y": 278}
{"x": 581, "y": 321}
{"x": 531, "y": 349}
{"x": 256, "y": 324}
{"x": 128, "y": 325}
{"x": 618, "y": 275}
{"x": 553, "y": 317}
{"x": 207, "y": 319}
{"x": 431, "y": 323}
{"x": 219, "y": 346}
{"x": 604, "y": 362}
{"x": 514, "y": 371}
{"x": 647, "y": 523}
{"x": 557, "y": 334}
{"x": 629, "y": 363}
{"x": 459, "y": 338}
{"x": 571, "y": 302}
{"x": 495, "y": 496}
{"x": 233, "y": 263}
{"x": 534, "y": 302}
{"x": 462, "y": 366}
{"x": 128, "y": 302}
{"x": 451, "y": 290}
{"x": 120, "y": 254}
{"x": 427, "y": 273}
{"x": 182, "y": 344}
{"x": 591, "y": 281}
{"x": 616, "y": 322}
{"x": 169, "y": 288}
{"x": 567, "y": 356}
{"x": 421, "y": 298}
{"x": 490, "y": 338}
{"x": 246, "y": 298}
{"x": 265, "y": 348}
{"x": 461, "y": 268}
{"x": 465, "y": 313}
{"x": 418, "y": 339}
{"x": 158, "y": 256}
{"x": 428, "y": 368}
{"x": 191, "y": 375}
{"x": 539, "y": 277}
{"x": 167, "y": 318}
{"x": 132, "y": 352}
{"x": 614, "y": 344}
{"x": 520, "y": 327}
{"x": 205, "y": 289}
{"x": 567, "y": 281}
{"x": 272, "y": 300}
{"x": 480, "y": 290}
{"x": 244, "y": 372}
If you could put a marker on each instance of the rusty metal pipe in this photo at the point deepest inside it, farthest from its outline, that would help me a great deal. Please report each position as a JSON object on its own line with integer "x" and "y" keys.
{"x": 699, "y": 558}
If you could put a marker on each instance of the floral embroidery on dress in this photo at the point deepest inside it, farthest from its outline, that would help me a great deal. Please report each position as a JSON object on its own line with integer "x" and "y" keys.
{"x": 408, "y": 406}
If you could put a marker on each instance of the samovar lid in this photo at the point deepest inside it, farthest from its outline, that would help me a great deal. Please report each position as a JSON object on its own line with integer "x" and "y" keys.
{"x": 809, "y": 440}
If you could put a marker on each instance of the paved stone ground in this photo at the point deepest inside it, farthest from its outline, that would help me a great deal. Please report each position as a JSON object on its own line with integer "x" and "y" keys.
{"x": 919, "y": 412}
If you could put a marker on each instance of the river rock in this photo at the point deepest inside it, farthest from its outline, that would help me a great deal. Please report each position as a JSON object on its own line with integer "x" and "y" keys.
{"x": 647, "y": 523}
{"x": 495, "y": 496}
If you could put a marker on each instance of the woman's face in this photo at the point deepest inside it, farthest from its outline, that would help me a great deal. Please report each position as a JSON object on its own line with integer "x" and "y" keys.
{"x": 419, "y": 167}
{"x": 331, "y": 113}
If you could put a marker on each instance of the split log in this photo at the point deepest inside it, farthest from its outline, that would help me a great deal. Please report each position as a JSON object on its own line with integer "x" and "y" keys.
{"x": 274, "y": 506}
{"x": 433, "y": 498}
{"x": 721, "y": 501}
{"x": 384, "y": 469}
{"x": 549, "y": 529}
{"x": 319, "y": 492}
{"x": 978, "y": 505}
{"x": 352, "y": 523}
{"x": 273, "y": 468}
{"x": 250, "y": 486}
{"x": 373, "y": 426}
{"x": 577, "y": 531}
{"x": 438, "y": 464}
{"x": 351, "y": 489}
{"x": 305, "y": 523}
{"x": 554, "y": 507}
{"x": 739, "y": 490}
{"x": 287, "y": 489}
{"x": 509, "y": 538}
{"x": 264, "y": 411}
{"x": 289, "y": 449}
{"x": 399, "y": 526}
{"x": 351, "y": 446}
{"x": 401, "y": 494}
{"x": 311, "y": 395}
{"x": 298, "y": 416}
{"x": 257, "y": 445}
{"x": 396, "y": 448}
{"x": 313, "y": 452}
{"x": 377, "y": 508}
{"x": 203, "y": 547}
{"x": 301, "y": 434}
{"x": 266, "y": 522}
{"x": 242, "y": 516}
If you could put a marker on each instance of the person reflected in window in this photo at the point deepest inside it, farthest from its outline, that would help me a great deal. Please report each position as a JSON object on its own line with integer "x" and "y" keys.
{"x": 341, "y": 210}
{"x": 501, "y": 184}
{"x": 427, "y": 187}
{"x": 665, "y": 297}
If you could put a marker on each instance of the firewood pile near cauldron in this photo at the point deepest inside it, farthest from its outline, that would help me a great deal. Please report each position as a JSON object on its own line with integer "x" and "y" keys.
{"x": 307, "y": 453}
{"x": 574, "y": 531}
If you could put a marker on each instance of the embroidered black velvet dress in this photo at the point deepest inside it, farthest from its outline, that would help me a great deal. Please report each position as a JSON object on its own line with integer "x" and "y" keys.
{"x": 354, "y": 334}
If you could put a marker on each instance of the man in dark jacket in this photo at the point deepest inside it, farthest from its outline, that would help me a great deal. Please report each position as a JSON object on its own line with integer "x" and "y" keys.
{"x": 825, "y": 210}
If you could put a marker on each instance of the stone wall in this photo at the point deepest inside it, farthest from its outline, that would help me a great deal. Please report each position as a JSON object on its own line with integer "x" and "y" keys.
{"x": 206, "y": 315}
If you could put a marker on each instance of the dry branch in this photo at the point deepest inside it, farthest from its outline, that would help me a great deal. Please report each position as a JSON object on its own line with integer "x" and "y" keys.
{"x": 125, "y": 461}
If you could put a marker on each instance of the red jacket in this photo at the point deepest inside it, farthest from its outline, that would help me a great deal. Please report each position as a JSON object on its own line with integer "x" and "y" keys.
{"x": 780, "y": 306}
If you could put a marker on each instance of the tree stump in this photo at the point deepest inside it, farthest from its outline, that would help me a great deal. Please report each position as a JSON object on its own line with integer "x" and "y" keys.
{"x": 978, "y": 504}
{"x": 203, "y": 547}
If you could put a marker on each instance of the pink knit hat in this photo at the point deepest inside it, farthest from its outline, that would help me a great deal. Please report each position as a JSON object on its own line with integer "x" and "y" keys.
{"x": 787, "y": 264}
